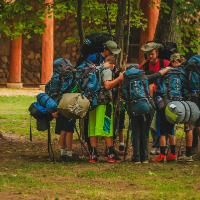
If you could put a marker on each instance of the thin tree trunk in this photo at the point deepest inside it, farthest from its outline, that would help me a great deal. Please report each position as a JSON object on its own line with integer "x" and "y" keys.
{"x": 107, "y": 18}
{"x": 80, "y": 21}
{"x": 166, "y": 29}
{"x": 128, "y": 31}
{"x": 120, "y": 30}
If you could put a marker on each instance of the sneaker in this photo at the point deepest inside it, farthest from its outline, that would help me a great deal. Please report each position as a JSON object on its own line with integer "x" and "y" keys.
{"x": 155, "y": 151}
{"x": 171, "y": 157}
{"x": 185, "y": 158}
{"x": 145, "y": 162}
{"x": 136, "y": 162}
{"x": 93, "y": 159}
{"x": 111, "y": 158}
{"x": 93, "y": 156}
{"x": 159, "y": 158}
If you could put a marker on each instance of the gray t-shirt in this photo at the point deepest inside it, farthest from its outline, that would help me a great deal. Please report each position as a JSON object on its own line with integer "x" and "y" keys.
{"x": 106, "y": 75}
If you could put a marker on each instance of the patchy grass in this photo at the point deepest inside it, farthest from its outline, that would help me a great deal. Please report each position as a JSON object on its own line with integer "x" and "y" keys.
{"x": 26, "y": 173}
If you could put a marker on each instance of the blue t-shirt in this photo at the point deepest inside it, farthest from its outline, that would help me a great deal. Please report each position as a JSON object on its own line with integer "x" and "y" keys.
{"x": 96, "y": 58}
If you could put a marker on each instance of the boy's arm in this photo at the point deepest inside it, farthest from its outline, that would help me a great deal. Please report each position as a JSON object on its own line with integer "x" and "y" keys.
{"x": 111, "y": 84}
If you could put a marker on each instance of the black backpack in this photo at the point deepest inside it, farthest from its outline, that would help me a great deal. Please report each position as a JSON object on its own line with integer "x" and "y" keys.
{"x": 93, "y": 43}
{"x": 167, "y": 50}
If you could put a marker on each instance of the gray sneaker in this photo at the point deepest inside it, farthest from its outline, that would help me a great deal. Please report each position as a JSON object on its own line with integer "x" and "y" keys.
{"x": 185, "y": 158}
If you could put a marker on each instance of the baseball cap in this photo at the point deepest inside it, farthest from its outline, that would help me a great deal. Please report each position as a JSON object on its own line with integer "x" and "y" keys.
{"x": 112, "y": 47}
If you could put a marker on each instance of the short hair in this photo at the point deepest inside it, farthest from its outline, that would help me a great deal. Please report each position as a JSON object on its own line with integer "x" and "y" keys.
{"x": 110, "y": 59}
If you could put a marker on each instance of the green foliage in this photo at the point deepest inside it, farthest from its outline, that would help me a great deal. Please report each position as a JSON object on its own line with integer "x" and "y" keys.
{"x": 27, "y": 17}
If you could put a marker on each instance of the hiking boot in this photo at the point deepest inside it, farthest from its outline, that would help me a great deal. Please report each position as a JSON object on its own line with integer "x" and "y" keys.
{"x": 159, "y": 158}
{"x": 155, "y": 151}
{"x": 185, "y": 158}
{"x": 171, "y": 157}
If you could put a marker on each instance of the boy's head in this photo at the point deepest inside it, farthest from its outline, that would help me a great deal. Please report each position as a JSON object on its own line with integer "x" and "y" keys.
{"x": 110, "y": 62}
{"x": 111, "y": 48}
{"x": 176, "y": 59}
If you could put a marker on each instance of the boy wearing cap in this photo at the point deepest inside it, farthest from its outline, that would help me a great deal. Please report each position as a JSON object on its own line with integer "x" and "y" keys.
{"x": 101, "y": 118}
{"x": 152, "y": 65}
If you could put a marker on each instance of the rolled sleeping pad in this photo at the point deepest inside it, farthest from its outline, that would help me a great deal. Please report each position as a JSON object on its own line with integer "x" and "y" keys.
{"x": 73, "y": 105}
{"x": 45, "y": 100}
{"x": 182, "y": 112}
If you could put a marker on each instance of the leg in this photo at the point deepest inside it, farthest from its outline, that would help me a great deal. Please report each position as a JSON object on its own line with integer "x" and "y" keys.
{"x": 135, "y": 124}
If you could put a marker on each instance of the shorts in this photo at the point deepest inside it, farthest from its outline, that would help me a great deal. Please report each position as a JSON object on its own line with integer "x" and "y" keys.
{"x": 101, "y": 121}
{"x": 64, "y": 124}
{"x": 166, "y": 128}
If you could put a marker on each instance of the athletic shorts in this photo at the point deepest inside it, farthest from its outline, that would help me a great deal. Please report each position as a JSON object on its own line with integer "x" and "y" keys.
{"x": 166, "y": 128}
{"x": 64, "y": 124}
{"x": 101, "y": 121}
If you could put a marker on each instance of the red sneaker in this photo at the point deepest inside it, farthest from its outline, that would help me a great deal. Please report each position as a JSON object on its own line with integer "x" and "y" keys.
{"x": 111, "y": 158}
{"x": 159, "y": 158}
{"x": 93, "y": 159}
{"x": 171, "y": 157}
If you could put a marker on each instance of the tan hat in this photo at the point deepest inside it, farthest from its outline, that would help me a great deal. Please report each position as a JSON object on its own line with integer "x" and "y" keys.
{"x": 150, "y": 46}
{"x": 112, "y": 46}
{"x": 176, "y": 56}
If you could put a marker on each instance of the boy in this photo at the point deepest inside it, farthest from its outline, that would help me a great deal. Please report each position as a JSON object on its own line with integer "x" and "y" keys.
{"x": 101, "y": 118}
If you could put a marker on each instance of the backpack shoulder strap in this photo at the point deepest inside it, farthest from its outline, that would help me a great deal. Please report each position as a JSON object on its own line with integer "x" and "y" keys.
{"x": 161, "y": 63}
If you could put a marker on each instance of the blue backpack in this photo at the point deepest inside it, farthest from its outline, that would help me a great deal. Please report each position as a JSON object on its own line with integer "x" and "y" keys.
{"x": 135, "y": 91}
{"x": 89, "y": 81}
{"x": 63, "y": 79}
{"x": 171, "y": 86}
{"x": 192, "y": 68}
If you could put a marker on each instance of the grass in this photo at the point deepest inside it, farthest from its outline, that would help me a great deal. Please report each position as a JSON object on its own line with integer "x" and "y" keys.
{"x": 23, "y": 178}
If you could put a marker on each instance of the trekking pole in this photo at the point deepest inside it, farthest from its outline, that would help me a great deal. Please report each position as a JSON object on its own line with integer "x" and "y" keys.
{"x": 50, "y": 149}
{"x": 82, "y": 143}
{"x": 127, "y": 140}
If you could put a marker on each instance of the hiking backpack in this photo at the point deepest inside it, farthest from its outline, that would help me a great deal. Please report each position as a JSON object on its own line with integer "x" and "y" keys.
{"x": 62, "y": 80}
{"x": 171, "y": 86}
{"x": 135, "y": 91}
{"x": 167, "y": 49}
{"x": 192, "y": 67}
{"x": 89, "y": 79}
{"x": 93, "y": 43}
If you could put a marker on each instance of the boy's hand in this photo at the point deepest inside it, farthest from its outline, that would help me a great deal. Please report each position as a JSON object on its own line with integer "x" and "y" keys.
{"x": 164, "y": 70}
{"x": 121, "y": 76}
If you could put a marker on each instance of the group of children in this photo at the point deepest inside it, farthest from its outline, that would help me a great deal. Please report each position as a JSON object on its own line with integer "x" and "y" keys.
{"x": 99, "y": 121}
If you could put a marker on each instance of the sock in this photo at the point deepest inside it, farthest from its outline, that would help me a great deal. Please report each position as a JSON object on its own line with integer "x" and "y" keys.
{"x": 173, "y": 149}
{"x": 68, "y": 153}
{"x": 188, "y": 151}
{"x": 63, "y": 152}
{"x": 162, "y": 150}
{"x": 121, "y": 144}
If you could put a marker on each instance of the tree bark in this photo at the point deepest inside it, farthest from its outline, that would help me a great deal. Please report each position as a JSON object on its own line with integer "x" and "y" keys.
{"x": 120, "y": 30}
{"x": 166, "y": 29}
{"x": 80, "y": 21}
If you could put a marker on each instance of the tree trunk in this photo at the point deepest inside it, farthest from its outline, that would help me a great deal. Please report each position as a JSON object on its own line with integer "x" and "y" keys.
{"x": 80, "y": 21}
{"x": 120, "y": 30}
{"x": 166, "y": 29}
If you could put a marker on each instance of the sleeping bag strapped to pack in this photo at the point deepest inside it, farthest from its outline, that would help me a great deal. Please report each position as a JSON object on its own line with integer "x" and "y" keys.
{"x": 182, "y": 112}
{"x": 62, "y": 81}
{"x": 171, "y": 86}
{"x": 73, "y": 105}
{"x": 192, "y": 67}
{"x": 46, "y": 101}
{"x": 135, "y": 91}
{"x": 89, "y": 81}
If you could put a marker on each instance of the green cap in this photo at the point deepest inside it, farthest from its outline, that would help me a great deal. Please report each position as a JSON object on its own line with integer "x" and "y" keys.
{"x": 176, "y": 56}
{"x": 112, "y": 46}
{"x": 150, "y": 46}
